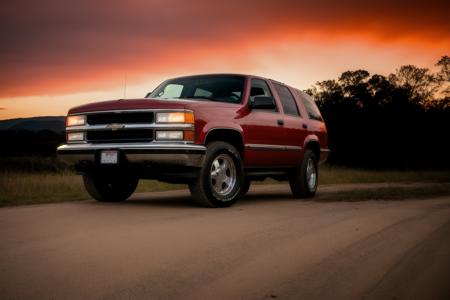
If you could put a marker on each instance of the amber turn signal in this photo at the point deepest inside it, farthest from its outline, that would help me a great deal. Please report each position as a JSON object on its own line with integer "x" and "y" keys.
{"x": 189, "y": 135}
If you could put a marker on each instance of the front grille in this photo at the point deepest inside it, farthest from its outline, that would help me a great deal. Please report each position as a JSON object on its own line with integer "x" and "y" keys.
{"x": 120, "y": 117}
{"x": 120, "y": 136}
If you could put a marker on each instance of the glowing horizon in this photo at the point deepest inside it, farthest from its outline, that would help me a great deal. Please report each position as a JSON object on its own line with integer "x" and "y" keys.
{"x": 84, "y": 53}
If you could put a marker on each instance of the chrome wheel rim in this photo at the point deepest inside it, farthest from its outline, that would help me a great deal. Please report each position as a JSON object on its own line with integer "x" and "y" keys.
{"x": 311, "y": 174}
{"x": 223, "y": 175}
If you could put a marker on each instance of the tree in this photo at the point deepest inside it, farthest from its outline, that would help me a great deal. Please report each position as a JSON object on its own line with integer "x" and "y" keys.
{"x": 444, "y": 75}
{"x": 353, "y": 78}
{"x": 419, "y": 83}
{"x": 402, "y": 120}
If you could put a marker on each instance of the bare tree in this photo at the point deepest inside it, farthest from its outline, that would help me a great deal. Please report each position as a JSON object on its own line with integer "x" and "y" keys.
{"x": 420, "y": 84}
{"x": 444, "y": 76}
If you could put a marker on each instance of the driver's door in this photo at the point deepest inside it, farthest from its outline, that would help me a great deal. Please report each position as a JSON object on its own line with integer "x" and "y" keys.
{"x": 264, "y": 132}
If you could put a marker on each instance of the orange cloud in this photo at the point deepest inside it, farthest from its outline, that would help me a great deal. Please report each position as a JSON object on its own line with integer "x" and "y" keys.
{"x": 53, "y": 47}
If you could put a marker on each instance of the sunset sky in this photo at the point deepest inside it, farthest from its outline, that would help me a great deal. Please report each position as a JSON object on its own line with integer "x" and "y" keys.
{"x": 55, "y": 54}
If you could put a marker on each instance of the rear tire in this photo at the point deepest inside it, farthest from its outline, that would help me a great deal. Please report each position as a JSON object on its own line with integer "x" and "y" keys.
{"x": 110, "y": 188}
{"x": 304, "y": 180}
{"x": 221, "y": 177}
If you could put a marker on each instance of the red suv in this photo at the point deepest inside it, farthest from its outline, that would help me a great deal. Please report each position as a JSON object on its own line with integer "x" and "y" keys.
{"x": 216, "y": 133}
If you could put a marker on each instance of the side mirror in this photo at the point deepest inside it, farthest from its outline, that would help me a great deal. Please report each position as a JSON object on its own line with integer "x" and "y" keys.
{"x": 262, "y": 102}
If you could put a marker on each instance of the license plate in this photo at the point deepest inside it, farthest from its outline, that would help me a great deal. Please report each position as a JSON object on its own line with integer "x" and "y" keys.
{"x": 109, "y": 157}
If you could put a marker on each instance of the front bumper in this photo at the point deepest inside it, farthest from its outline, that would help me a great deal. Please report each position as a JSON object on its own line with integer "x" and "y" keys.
{"x": 172, "y": 154}
{"x": 324, "y": 153}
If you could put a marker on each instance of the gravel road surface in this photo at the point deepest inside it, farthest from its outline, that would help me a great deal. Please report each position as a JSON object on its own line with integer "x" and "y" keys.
{"x": 269, "y": 245}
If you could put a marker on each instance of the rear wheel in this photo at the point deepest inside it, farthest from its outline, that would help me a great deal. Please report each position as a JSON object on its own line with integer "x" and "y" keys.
{"x": 304, "y": 180}
{"x": 110, "y": 188}
{"x": 221, "y": 177}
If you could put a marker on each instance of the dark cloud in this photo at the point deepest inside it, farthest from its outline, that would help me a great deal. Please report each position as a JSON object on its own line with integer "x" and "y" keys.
{"x": 65, "y": 44}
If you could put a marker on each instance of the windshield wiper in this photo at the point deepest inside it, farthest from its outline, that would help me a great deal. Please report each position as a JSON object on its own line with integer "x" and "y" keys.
{"x": 201, "y": 97}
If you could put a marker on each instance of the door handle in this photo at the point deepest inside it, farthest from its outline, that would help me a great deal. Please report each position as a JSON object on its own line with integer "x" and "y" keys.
{"x": 280, "y": 122}
{"x": 305, "y": 126}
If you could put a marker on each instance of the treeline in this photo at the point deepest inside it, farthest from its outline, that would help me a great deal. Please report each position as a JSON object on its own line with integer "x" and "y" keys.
{"x": 19, "y": 143}
{"x": 398, "y": 121}
{"x": 30, "y": 151}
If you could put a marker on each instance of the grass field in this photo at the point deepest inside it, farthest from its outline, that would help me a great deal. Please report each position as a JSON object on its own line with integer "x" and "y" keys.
{"x": 336, "y": 175}
{"x": 399, "y": 192}
{"x": 18, "y": 188}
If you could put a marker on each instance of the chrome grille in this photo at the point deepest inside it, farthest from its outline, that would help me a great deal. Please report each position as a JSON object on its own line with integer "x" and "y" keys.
{"x": 121, "y": 117}
{"x": 119, "y": 136}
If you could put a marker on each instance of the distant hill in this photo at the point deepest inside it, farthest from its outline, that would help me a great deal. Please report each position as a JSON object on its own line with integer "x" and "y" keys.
{"x": 35, "y": 124}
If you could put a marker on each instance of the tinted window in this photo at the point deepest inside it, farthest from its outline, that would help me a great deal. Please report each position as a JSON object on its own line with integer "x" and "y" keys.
{"x": 202, "y": 93}
{"x": 287, "y": 100}
{"x": 172, "y": 90}
{"x": 212, "y": 87}
{"x": 259, "y": 87}
{"x": 310, "y": 106}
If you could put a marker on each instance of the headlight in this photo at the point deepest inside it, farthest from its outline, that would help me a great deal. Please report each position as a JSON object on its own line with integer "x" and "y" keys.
{"x": 76, "y": 120}
{"x": 186, "y": 117}
{"x": 75, "y": 136}
{"x": 169, "y": 135}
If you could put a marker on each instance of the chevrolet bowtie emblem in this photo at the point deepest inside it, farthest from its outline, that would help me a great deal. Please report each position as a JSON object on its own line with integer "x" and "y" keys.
{"x": 115, "y": 127}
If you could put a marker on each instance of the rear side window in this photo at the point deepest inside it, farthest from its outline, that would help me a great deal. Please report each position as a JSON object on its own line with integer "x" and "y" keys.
{"x": 287, "y": 100}
{"x": 311, "y": 107}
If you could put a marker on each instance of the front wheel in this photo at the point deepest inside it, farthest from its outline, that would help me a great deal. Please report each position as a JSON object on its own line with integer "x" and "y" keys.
{"x": 245, "y": 187}
{"x": 221, "y": 177}
{"x": 110, "y": 188}
{"x": 304, "y": 180}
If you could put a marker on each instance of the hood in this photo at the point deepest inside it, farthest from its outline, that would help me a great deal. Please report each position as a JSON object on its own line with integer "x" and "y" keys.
{"x": 123, "y": 104}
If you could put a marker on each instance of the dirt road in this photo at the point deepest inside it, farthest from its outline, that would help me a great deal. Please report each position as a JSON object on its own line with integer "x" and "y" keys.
{"x": 159, "y": 246}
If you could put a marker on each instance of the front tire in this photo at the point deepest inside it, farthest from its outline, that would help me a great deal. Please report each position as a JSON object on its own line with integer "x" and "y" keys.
{"x": 245, "y": 187}
{"x": 221, "y": 177}
{"x": 304, "y": 180}
{"x": 110, "y": 188}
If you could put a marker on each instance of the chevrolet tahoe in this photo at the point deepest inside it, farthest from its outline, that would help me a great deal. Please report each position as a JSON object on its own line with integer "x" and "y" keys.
{"x": 217, "y": 133}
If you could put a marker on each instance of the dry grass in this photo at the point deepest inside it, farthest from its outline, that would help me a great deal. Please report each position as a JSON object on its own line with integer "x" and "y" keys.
{"x": 17, "y": 188}
{"x": 387, "y": 193}
{"x": 27, "y": 188}
{"x": 335, "y": 175}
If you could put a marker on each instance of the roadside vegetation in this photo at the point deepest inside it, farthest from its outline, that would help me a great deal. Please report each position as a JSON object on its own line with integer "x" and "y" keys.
{"x": 18, "y": 188}
{"x": 395, "y": 192}
{"x": 27, "y": 187}
{"x": 339, "y": 175}
{"x": 398, "y": 121}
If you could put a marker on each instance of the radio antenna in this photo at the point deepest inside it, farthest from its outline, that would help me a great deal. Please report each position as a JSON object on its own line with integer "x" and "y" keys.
{"x": 125, "y": 86}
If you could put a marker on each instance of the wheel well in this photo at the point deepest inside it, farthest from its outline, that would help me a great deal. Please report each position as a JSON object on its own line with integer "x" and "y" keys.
{"x": 314, "y": 146}
{"x": 230, "y": 136}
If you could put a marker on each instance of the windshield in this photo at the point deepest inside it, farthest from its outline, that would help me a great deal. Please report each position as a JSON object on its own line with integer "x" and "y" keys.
{"x": 211, "y": 87}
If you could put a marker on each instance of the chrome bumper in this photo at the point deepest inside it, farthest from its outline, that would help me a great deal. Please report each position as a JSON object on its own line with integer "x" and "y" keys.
{"x": 161, "y": 153}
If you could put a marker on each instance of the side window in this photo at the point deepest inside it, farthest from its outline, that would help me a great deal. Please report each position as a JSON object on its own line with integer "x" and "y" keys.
{"x": 202, "y": 93}
{"x": 311, "y": 107}
{"x": 259, "y": 87}
{"x": 287, "y": 100}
